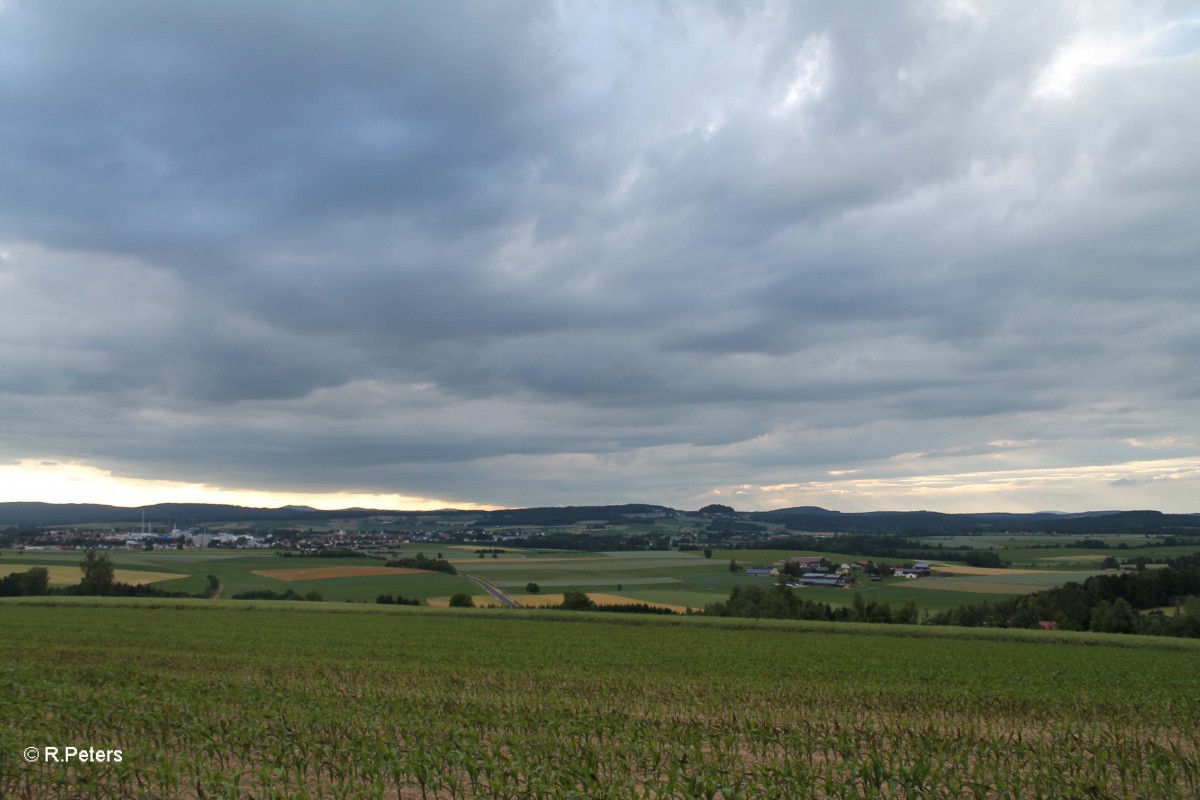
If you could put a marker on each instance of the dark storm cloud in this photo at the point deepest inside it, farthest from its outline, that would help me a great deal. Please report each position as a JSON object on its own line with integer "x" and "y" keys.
{"x": 538, "y": 253}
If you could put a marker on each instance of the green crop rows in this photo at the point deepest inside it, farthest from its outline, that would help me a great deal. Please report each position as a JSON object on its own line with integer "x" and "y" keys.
{"x": 216, "y": 700}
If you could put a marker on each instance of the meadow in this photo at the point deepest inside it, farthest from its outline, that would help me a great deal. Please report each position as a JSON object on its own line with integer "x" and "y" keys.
{"x": 219, "y": 699}
{"x": 680, "y": 580}
{"x": 671, "y": 578}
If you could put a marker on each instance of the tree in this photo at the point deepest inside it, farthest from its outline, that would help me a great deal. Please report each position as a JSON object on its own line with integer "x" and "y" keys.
{"x": 462, "y": 600}
{"x": 1123, "y": 619}
{"x": 35, "y": 581}
{"x": 907, "y": 614}
{"x": 32, "y": 582}
{"x": 313, "y": 595}
{"x": 532, "y": 588}
{"x": 576, "y": 601}
{"x": 733, "y": 565}
{"x": 708, "y": 552}
{"x": 1101, "y": 617}
{"x": 97, "y": 573}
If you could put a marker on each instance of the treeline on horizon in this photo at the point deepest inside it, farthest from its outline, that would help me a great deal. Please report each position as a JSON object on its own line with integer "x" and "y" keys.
{"x": 810, "y": 519}
{"x": 871, "y": 546}
{"x": 913, "y": 523}
{"x": 1102, "y": 603}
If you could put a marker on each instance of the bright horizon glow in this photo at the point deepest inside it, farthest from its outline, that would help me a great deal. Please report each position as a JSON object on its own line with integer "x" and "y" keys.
{"x": 1132, "y": 485}
{"x": 32, "y": 481}
{"x": 1135, "y": 485}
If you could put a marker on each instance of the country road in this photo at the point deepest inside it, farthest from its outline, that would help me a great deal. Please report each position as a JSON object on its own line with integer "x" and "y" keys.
{"x": 504, "y": 599}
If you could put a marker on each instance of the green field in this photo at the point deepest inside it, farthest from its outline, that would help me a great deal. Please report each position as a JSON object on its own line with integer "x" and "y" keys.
{"x": 219, "y": 699}
{"x": 703, "y": 580}
{"x": 236, "y": 571}
{"x": 683, "y": 579}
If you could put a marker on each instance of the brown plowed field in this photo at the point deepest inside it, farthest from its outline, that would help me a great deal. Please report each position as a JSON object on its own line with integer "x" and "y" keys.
{"x": 318, "y": 573}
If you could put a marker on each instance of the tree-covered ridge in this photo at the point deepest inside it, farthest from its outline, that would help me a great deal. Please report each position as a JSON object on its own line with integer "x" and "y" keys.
{"x": 875, "y": 546}
{"x": 801, "y": 519}
{"x": 1104, "y": 603}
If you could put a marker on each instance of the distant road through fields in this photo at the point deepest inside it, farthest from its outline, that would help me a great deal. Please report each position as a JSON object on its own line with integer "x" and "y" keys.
{"x": 504, "y": 599}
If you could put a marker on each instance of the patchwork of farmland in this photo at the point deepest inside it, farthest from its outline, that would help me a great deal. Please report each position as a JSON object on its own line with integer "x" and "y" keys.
{"x": 672, "y": 578}
{"x": 282, "y": 700}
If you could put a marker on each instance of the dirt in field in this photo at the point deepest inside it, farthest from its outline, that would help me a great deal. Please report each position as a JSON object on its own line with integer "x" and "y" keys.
{"x": 320, "y": 573}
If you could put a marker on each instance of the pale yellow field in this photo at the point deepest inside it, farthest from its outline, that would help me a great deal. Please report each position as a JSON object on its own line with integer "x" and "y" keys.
{"x": 63, "y": 575}
{"x": 480, "y": 602}
{"x": 599, "y": 598}
{"x": 319, "y": 573}
{"x": 538, "y": 600}
{"x": 957, "y": 570}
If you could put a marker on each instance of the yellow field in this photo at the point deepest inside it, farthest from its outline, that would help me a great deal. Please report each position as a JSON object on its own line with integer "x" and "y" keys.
{"x": 319, "y": 573}
{"x": 62, "y": 575}
{"x": 959, "y": 570}
{"x": 599, "y": 598}
{"x": 480, "y": 602}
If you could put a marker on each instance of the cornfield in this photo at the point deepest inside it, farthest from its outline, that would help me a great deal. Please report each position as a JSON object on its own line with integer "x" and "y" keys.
{"x": 398, "y": 703}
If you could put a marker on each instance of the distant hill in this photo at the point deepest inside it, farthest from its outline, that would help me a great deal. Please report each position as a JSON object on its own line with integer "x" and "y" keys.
{"x": 803, "y": 510}
{"x": 927, "y": 522}
{"x": 182, "y": 514}
{"x": 800, "y": 519}
{"x": 571, "y": 515}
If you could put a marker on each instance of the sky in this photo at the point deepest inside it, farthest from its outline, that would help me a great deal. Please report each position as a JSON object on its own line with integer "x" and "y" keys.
{"x": 913, "y": 255}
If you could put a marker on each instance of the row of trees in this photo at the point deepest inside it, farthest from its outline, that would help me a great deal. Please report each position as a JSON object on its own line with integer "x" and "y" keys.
{"x": 98, "y": 578}
{"x": 888, "y": 547}
{"x": 397, "y": 600}
{"x": 1104, "y": 603}
{"x": 779, "y": 602}
{"x": 421, "y": 561}
{"x": 270, "y": 594}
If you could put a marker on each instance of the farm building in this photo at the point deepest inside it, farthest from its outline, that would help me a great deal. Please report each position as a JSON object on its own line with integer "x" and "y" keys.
{"x": 821, "y": 579}
{"x": 762, "y": 572}
{"x": 809, "y": 562}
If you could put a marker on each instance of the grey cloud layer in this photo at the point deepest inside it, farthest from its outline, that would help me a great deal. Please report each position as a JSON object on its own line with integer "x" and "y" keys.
{"x": 539, "y": 253}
